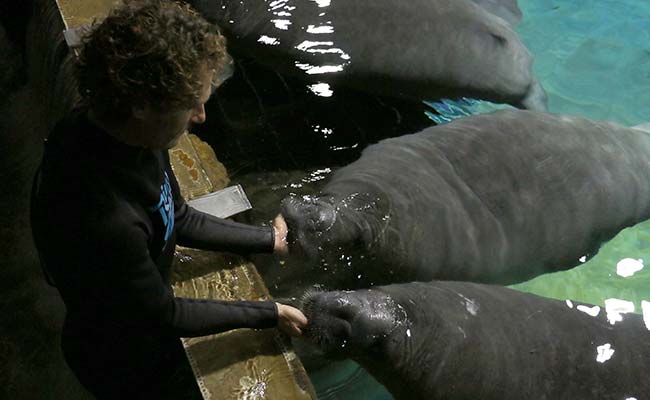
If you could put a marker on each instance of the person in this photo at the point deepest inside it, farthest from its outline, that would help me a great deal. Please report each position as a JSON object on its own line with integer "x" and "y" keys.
{"x": 107, "y": 212}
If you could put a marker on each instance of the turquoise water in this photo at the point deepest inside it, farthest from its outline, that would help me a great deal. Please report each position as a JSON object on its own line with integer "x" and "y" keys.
{"x": 593, "y": 58}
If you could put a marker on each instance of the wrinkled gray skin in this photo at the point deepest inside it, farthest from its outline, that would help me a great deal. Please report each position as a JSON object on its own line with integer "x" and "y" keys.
{"x": 497, "y": 198}
{"x": 416, "y": 49}
{"x": 508, "y": 10}
{"x": 458, "y": 340}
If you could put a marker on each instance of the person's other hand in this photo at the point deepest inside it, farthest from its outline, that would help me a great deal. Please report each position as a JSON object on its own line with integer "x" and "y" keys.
{"x": 291, "y": 320}
{"x": 280, "y": 230}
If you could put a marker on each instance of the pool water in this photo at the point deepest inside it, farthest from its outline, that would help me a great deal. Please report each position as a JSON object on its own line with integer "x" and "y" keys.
{"x": 593, "y": 59}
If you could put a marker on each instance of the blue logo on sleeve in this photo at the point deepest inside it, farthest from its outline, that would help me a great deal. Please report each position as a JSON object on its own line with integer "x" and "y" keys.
{"x": 166, "y": 207}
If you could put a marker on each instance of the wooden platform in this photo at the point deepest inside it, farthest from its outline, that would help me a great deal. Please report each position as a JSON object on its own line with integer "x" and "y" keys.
{"x": 241, "y": 364}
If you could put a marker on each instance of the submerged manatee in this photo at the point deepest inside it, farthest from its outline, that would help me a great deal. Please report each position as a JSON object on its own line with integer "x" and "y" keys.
{"x": 457, "y": 340}
{"x": 499, "y": 197}
{"x": 416, "y": 49}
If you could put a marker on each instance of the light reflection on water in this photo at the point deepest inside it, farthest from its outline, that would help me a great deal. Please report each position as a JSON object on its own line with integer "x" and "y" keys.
{"x": 628, "y": 267}
{"x": 448, "y": 110}
{"x": 615, "y": 308}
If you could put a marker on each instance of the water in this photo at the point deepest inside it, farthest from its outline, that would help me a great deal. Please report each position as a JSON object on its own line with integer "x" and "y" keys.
{"x": 593, "y": 59}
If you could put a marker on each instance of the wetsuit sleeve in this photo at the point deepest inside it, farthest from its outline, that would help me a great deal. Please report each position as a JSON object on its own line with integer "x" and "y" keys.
{"x": 203, "y": 231}
{"x": 131, "y": 289}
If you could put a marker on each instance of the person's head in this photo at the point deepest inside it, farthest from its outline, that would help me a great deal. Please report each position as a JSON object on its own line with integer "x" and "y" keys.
{"x": 148, "y": 68}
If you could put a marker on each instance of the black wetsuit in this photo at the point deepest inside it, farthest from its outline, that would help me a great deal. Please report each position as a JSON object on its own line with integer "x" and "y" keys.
{"x": 106, "y": 218}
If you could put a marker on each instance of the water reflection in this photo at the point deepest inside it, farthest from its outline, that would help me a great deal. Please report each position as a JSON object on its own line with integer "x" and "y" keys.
{"x": 281, "y": 23}
{"x": 628, "y": 267}
{"x": 616, "y": 307}
{"x": 645, "y": 306}
{"x": 321, "y": 89}
{"x": 320, "y": 29}
{"x": 446, "y": 110}
{"x": 271, "y": 41}
{"x": 322, "y": 3}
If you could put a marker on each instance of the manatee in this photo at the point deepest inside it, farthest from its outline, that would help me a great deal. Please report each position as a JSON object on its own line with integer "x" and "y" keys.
{"x": 492, "y": 198}
{"x": 422, "y": 50}
{"x": 460, "y": 340}
{"x": 508, "y": 10}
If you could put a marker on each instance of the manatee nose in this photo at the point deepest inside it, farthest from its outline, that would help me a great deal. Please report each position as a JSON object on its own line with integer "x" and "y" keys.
{"x": 290, "y": 208}
{"x": 329, "y": 314}
{"x": 340, "y": 305}
{"x": 325, "y": 217}
{"x": 297, "y": 214}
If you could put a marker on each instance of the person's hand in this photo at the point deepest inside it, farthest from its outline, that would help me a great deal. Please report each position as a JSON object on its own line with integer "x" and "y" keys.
{"x": 280, "y": 230}
{"x": 291, "y": 320}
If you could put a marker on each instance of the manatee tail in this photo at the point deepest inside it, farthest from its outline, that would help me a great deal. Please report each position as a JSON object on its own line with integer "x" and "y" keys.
{"x": 536, "y": 98}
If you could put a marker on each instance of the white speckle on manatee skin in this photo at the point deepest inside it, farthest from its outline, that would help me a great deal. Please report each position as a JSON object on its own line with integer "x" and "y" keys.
{"x": 592, "y": 311}
{"x": 645, "y": 307}
{"x": 604, "y": 353}
{"x": 615, "y": 308}
{"x": 463, "y": 332}
{"x": 472, "y": 307}
{"x": 569, "y": 303}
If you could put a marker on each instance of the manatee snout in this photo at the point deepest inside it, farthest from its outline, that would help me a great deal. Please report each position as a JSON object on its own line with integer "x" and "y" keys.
{"x": 309, "y": 220}
{"x": 349, "y": 322}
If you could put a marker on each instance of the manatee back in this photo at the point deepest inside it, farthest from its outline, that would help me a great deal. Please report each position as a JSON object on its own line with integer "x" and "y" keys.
{"x": 469, "y": 340}
{"x": 426, "y": 49}
{"x": 504, "y": 196}
{"x": 506, "y": 9}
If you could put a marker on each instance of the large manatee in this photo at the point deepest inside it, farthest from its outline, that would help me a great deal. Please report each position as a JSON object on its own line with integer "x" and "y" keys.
{"x": 498, "y": 198}
{"x": 416, "y": 49}
{"x": 458, "y": 340}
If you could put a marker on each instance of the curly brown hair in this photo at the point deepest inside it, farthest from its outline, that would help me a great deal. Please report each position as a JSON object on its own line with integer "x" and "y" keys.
{"x": 148, "y": 52}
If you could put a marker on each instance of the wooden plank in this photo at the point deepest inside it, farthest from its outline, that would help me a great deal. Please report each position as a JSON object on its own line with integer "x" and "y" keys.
{"x": 76, "y": 13}
{"x": 244, "y": 363}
